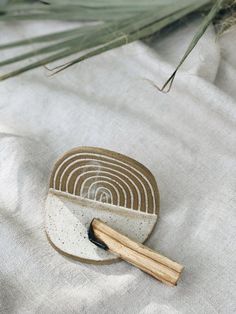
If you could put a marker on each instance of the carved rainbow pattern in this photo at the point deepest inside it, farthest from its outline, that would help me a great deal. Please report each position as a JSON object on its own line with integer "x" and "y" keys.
{"x": 108, "y": 177}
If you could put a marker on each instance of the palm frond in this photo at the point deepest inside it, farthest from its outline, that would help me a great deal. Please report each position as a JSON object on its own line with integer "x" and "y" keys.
{"x": 115, "y": 23}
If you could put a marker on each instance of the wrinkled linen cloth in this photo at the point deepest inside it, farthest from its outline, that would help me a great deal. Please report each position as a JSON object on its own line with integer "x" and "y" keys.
{"x": 186, "y": 138}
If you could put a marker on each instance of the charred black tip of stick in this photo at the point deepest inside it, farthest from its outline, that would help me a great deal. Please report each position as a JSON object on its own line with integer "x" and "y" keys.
{"x": 95, "y": 240}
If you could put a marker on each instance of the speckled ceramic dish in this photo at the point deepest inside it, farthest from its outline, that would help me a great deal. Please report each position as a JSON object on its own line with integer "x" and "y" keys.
{"x": 90, "y": 182}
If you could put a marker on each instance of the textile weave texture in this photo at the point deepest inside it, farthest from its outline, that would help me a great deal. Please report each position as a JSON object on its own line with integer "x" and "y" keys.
{"x": 186, "y": 138}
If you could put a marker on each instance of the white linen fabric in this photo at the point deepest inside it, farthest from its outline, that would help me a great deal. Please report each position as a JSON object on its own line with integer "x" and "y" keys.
{"x": 186, "y": 138}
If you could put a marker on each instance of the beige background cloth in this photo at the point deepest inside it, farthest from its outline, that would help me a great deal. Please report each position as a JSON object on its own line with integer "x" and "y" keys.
{"x": 186, "y": 138}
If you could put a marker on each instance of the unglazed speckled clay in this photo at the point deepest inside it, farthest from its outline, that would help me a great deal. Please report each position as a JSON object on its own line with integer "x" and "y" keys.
{"x": 89, "y": 182}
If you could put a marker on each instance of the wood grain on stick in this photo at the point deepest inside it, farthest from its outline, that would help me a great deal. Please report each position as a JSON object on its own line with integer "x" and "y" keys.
{"x": 137, "y": 254}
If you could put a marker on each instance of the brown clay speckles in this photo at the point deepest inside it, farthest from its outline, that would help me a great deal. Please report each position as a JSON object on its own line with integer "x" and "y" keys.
{"x": 89, "y": 183}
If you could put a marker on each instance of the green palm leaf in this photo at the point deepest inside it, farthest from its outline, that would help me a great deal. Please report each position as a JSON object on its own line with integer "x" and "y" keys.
{"x": 116, "y": 23}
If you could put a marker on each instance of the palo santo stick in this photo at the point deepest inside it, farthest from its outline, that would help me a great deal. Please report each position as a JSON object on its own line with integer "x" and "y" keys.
{"x": 137, "y": 254}
{"x": 148, "y": 265}
{"x": 138, "y": 247}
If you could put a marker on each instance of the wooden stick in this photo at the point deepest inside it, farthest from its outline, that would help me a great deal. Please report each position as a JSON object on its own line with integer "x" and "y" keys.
{"x": 137, "y": 254}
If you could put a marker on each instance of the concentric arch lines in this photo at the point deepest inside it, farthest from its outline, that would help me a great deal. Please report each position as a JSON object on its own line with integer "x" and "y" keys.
{"x": 91, "y": 189}
{"x": 100, "y": 169}
{"x": 106, "y": 179}
{"x": 104, "y": 192}
{"x": 105, "y": 176}
{"x": 109, "y": 174}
